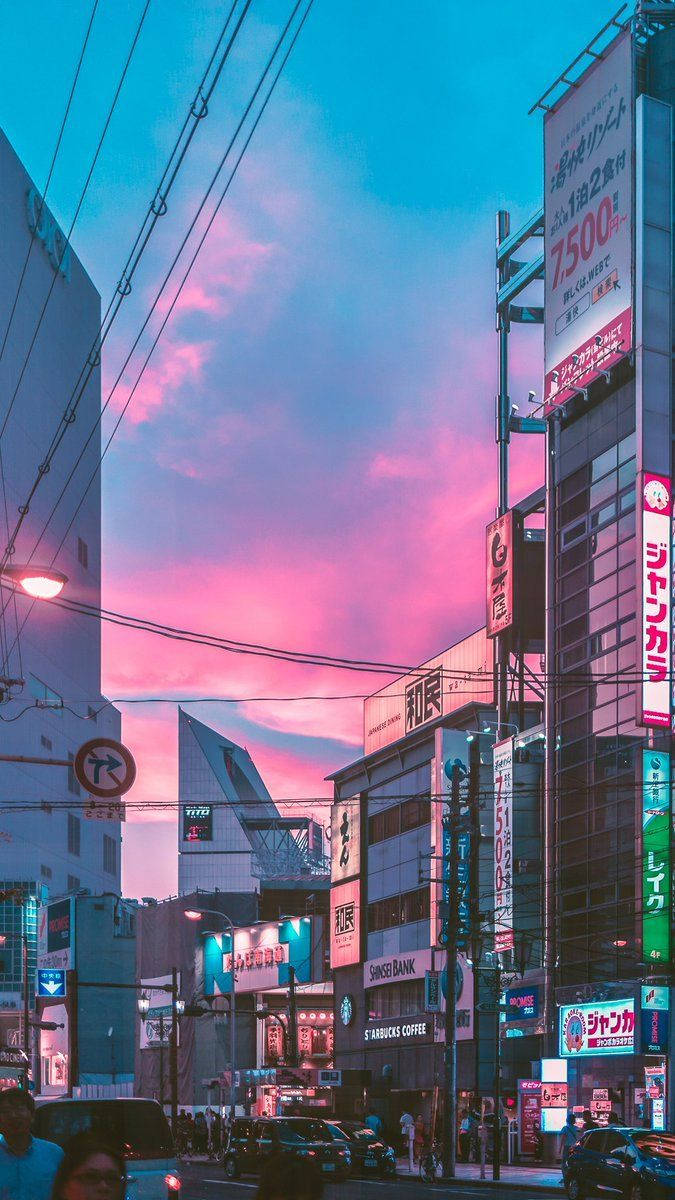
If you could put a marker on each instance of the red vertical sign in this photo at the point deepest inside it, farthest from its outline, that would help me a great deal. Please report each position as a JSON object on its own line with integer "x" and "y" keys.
{"x": 499, "y": 576}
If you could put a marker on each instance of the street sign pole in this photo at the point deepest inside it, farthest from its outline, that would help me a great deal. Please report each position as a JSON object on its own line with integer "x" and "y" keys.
{"x": 450, "y": 1046}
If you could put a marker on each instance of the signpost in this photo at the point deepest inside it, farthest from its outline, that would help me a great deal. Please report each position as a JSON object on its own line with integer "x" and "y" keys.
{"x": 51, "y": 983}
{"x": 104, "y": 768}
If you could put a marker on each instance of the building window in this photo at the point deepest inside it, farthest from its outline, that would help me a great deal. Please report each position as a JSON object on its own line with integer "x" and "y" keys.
{"x": 46, "y": 742}
{"x": 82, "y": 553}
{"x": 73, "y": 884}
{"x": 109, "y": 855}
{"x": 73, "y": 785}
{"x": 395, "y": 1000}
{"x": 45, "y": 696}
{"x": 73, "y": 835}
{"x": 383, "y": 825}
{"x": 399, "y": 910}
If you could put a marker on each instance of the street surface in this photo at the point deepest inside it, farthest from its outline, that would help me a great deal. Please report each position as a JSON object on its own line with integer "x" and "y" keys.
{"x": 205, "y": 1181}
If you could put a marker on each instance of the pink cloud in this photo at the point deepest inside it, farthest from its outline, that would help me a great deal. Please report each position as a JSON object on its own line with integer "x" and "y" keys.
{"x": 175, "y": 364}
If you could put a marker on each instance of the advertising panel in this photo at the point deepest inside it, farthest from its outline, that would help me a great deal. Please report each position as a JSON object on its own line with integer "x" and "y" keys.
{"x": 450, "y": 747}
{"x": 197, "y": 822}
{"x": 262, "y": 955}
{"x": 56, "y": 935}
{"x": 500, "y": 574}
{"x": 522, "y": 1004}
{"x": 345, "y": 841}
{"x": 656, "y": 899}
{"x": 655, "y": 1027}
{"x": 655, "y": 630}
{"x": 604, "y": 1027}
{"x": 529, "y": 1115}
{"x": 503, "y": 845}
{"x": 155, "y": 1027}
{"x": 588, "y": 225}
{"x": 345, "y": 924}
{"x": 461, "y": 675}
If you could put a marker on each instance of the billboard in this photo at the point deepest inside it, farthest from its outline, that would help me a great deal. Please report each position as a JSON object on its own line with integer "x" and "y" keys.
{"x": 450, "y": 746}
{"x": 500, "y": 589}
{"x": 461, "y": 675}
{"x": 262, "y": 956}
{"x": 503, "y": 845}
{"x": 604, "y": 1027}
{"x": 197, "y": 822}
{"x": 588, "y": 225}
{"x": 345, "y": 924}
{"x": 56, "y": 935}
{"x": 155, "y": 1026}
{"x": 655, "y": 623}
{"x": 345, "y": 839}
{"x": 656, "y": 899}
{"x": 522, "y": 1003}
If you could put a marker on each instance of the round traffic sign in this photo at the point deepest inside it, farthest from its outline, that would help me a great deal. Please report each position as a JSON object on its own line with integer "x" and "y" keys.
{"x": 104, "y": 768}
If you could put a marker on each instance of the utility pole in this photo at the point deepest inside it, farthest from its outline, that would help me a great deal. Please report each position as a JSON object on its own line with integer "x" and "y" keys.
{"x": 173, "y": 1051}
{"x": 497, "y": 1135}
{"x": 451, "y": 823}
{"x": 161, "y": 1059}
{"x": 503, "y": 438}
{"x": 26, "y": 1006}
{"x": 292, "y": 1020}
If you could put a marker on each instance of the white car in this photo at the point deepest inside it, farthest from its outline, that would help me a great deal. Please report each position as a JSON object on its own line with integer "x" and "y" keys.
{"x": 137, "y": 1127}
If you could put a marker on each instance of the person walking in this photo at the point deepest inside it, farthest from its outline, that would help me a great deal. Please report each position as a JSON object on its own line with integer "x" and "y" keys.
{"x": 375, "y": 1123}
{"x": 419, "y": 1137}
{"x": 569, "y": 1136}
{"x": 408, "y": 1138}
{"x": 589, "y": 1123}
{"x": 28, "y": 1164}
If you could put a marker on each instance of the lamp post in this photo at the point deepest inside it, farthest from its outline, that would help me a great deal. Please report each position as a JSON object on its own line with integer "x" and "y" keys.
{"x": 38, "y": 582}
{"x": 194, "y": 914}
{"x": 143, "y": 1008}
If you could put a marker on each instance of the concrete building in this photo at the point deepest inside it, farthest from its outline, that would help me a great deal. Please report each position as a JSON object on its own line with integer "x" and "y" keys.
{"x": 52, "y": 655}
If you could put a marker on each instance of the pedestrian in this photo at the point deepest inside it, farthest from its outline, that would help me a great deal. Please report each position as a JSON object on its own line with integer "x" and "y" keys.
{"x": 289, "y": 1179}
{"x": 569, "y": 1136}
{"x": 408, "y": 1138}
{"x": 90, "y": 1170}
{"x": 419, "y": 1137}
{"x": 465, "y": 1135}
{"x": 614, "y": 1119}
{"x": 375, "y": 1123}
{"x": 589, "y": 1123}
{"x": 27, "y": 1164}
{"x": 201, "y": 1133}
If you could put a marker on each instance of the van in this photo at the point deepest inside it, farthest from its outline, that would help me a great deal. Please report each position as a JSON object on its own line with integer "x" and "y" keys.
{"x": 138, "y": 1127}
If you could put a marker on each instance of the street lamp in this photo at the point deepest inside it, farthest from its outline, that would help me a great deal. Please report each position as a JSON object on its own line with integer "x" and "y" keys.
{"x": 143, "y": 1004}
{"x": 194, "y": 914}
{"x": 42, "y": 583}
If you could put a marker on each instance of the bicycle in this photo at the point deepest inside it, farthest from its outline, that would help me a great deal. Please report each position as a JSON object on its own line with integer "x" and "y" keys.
{"x": 430, "y": 1163}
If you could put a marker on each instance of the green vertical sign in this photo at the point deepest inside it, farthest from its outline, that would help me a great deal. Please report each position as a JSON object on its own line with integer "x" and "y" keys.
{"x": 656, "y": 894}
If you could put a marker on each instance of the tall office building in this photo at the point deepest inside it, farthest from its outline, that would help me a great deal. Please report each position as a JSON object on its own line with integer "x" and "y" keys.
{"x": 56, "y": 654}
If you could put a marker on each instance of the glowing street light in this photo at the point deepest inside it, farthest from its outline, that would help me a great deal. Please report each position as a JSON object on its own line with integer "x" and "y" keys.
{"x": 42, "y": 583}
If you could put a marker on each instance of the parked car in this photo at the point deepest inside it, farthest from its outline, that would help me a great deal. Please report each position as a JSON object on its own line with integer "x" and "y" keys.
{"x": 252, "y": 1141}
{"x": 636, "y": 1163}
{"x": 370, "y": 1154}
{"x": 137, "y": 1127}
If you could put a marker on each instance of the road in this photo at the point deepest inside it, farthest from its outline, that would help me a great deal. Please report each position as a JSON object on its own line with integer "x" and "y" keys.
{"x": 205, "y": 1181}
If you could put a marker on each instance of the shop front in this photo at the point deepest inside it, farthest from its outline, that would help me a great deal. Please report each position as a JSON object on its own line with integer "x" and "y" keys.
{"x": 616, "y": 1052}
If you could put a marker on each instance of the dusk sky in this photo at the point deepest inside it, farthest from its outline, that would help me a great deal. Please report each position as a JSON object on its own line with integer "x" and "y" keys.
{"x": 309, "y": 461}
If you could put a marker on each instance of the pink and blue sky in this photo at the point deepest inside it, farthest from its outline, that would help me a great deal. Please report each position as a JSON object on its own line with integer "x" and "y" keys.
{"x": 310, "y": 460}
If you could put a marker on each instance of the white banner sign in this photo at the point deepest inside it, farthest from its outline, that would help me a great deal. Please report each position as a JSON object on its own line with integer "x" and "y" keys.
{"x": 588, "y": 225}
{"x": 503, "y": 845}
{"x": 157, "y": 1020}
{"x": 656, "y": 600}
{"x": 345, "y": 839}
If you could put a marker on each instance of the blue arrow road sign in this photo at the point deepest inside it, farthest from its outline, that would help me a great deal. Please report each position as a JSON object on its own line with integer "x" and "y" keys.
{"x": 51, "y": 983}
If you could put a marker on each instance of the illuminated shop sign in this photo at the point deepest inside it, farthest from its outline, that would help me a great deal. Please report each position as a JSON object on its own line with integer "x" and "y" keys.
{"x": 261, "y": 959}
{"x": 345, "y": 924}
{"x": 412, "y": 1029}
{"x": 345, "y": 840}
{"x": 522, "y": 1004}
{"x": 655, "y": 631}
{"x": 606, "y": 1027}
{"x": 197, "y": 823}
{"x": 503, "y": 845}
{"x": 655, "y": 856}
{"x": 500, "y": 575}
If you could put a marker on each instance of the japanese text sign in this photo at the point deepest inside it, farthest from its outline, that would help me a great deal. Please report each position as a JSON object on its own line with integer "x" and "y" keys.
{"x": 503, "y": 845}
{"x": 345, "y": 924}
{"x": 604, "y": 1027}
{"x": 588, "y": 225}
{"x": 655, "y": 630}
{"x": 500, "y": 575}
{"x": 656, "y": 898}
{"x": 345, "y": 843}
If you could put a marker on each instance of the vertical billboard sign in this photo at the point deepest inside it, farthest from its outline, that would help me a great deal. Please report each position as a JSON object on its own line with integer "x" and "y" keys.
{"x": 451, "y": 747}
{"x": 345, "y": 841}
{"x": 588, "y": 225}
{"x": 655, "y": 633}
{"x": 500, "y": 575}
{"x": 655, "y": 856}
{"x": 503, "y": 845}
{"x": 345, "y": 924}
{"x": 56, "y": 935}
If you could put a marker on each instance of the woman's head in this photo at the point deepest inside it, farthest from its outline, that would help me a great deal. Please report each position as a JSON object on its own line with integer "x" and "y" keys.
{"x": 90, "y": 1170}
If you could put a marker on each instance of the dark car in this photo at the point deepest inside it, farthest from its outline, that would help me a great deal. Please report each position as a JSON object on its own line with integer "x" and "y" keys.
{"x": 254, "y": 1140}
{"x": 636, "y": 1163}
{"x": 370, "y": 1155}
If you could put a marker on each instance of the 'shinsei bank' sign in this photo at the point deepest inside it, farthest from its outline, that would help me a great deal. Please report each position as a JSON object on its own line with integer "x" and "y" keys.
{"x": 461, "y": 675}
{"x": 605, "y": 1027}
{"x": 655, "y": 632}
{"x": 588, "y": 225}
{"x": 656, "y": 891}
{"x": 503, "y": 845}
{"x": 500, "y": 592}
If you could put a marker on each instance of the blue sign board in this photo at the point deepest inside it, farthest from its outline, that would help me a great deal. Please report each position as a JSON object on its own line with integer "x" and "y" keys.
{"x": 522, "y": 1004}
{"x": 655, "y": 1023}
{"x": 51, "y": 984}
